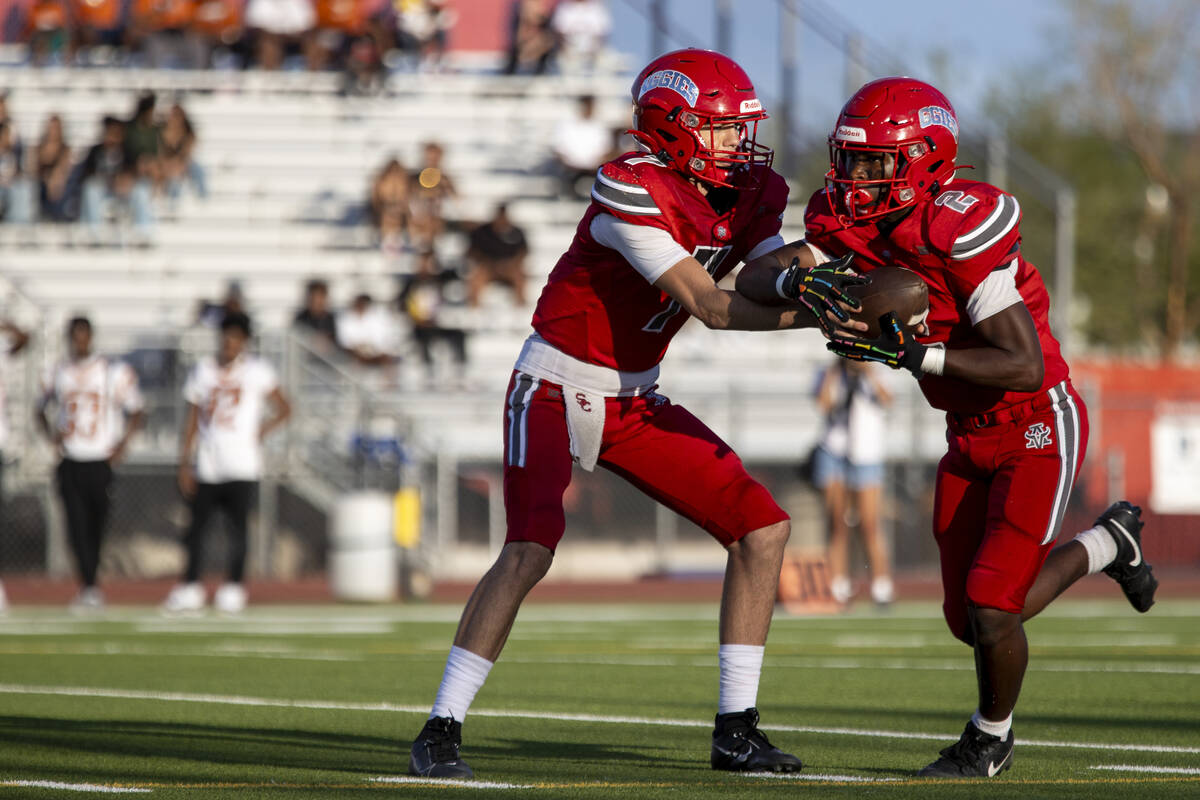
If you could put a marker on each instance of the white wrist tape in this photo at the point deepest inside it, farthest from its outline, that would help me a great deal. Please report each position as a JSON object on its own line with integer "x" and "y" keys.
{"x": 779, "y": 285}
{"x": 934, "y": 362}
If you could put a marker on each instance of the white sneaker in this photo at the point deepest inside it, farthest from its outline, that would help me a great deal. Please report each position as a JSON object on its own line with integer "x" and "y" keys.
{"x": 88, "y": 600}
{"x": 882, "y": 590}
{"x": 841, "y": 590}
{"x": 230, "y": 598}
{"x": 184, "y": 598}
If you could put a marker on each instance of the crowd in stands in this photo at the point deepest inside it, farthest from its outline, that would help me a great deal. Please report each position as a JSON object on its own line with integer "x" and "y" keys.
{"x": 355, "y": 36}
{"x": 138, "y": 167}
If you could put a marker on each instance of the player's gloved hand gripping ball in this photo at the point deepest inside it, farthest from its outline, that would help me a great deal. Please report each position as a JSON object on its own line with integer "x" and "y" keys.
{"x": 822, "y": 288}
{"x": 894, "y": 346}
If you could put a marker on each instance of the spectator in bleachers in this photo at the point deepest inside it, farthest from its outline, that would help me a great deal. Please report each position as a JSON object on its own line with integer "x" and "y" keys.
{"x": 531, "y": 40}
{"x": 582, "y": 28}
{"x": 315, "y": 317}
{"x": 110, "y": 183}
{"x": 218, "y": 23}
{"x": 423, "y": 297}
{"x": 339, "y": 22}
{"x": 431, "y": 189}
{"x": 97, "y": 24}
{"x": 422, "y": 29}
{"x": 52, "y": 161}
{"x": 368, "y": 333}
{"x": 162, "y": 30}
{"x": 365, "y": 72}
{"x": 389, "y": 205}
{"x": 142, "y": 134}
{"x": 580, "y": 145}
{"x": 177, "y": 141}
{"x": 49, "y": 32}
{"x": 17, "y": 191}
{"x": 496, "y": 254}
{"x": 210, "y": 315}
{"x": 280, "y": 27}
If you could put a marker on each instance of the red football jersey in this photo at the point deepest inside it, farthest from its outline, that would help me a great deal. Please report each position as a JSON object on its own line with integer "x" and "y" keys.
{"x": 956, "y": 241}
{"x": 597, "y": 308}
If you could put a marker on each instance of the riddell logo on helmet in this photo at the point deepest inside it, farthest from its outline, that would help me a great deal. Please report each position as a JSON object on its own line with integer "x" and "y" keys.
{"x": 750, "y": 106}
{"x": 677, "y": 82}
{"x": 936, "y": 115}
{"x": 846, "y": 133}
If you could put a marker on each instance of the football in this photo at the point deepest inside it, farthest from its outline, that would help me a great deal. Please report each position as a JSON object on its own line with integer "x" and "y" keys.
{"x": 891, "y": 289}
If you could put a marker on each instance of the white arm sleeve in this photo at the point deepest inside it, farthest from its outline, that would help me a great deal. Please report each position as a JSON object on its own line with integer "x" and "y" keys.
{"x": 820, "y": 255}
{"x": 651, "y": 251}
{"x": 765, "y": 246}
{"x": 997, "y": 292}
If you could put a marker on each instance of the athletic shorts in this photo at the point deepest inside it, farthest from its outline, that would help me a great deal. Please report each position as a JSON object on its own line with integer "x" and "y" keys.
{"x": 1002, "y": 491}
{"x": 657, "y": 446}
{"x": 829, "y": 468}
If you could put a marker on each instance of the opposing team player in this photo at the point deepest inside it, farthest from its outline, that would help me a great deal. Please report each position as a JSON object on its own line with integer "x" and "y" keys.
{"x": 220, "y": 459}
{"x": 664, "y": 225}
{"x": 1017, "y": 428}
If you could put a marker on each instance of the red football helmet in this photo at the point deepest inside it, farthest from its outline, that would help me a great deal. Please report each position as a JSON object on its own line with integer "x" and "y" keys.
{"x": 913, "y": 126}
{"x": 681, "y": 97}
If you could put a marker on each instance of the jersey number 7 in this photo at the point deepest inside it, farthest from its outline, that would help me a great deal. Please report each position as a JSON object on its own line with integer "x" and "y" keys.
{"x": 710, "y": 258}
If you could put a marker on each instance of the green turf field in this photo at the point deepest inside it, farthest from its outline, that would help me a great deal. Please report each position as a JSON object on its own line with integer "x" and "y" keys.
{"x": 588, "y": 701}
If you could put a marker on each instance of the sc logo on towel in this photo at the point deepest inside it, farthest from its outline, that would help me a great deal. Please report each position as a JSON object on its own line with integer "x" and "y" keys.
{"x": 583, "y": 401}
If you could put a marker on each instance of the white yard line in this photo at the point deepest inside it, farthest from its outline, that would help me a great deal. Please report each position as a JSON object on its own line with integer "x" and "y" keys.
{"x": 810, "y": 776}
{"x": 76, "y": 787}
{"x": 448, "y": 782}
{"x": 328, "y": 705}
{"x": 1142, "y": 768}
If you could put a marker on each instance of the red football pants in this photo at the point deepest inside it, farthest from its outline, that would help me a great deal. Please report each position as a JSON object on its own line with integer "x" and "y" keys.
{"x": 1001, "y": 494}
{"x": 657, "y": 446}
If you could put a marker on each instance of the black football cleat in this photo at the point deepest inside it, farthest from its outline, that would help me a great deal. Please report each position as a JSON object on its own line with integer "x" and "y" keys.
{"x": 435, "y": 752}
{"x": 975, "y": 755}
{"x": 739, "y": 746}
{"x": 1129, "y": 569}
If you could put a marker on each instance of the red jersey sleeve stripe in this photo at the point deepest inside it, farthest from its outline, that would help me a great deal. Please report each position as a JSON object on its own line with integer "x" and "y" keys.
{"x": 623, "y": 197}
{"x": 1002, "y": 220}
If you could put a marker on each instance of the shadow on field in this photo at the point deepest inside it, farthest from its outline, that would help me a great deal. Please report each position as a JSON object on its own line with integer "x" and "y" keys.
{"x": 207, "y": 744}
{"x": 580, "y": 752}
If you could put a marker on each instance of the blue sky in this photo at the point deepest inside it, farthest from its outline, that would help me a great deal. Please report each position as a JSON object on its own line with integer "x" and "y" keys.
{"x": 965, "y": 48}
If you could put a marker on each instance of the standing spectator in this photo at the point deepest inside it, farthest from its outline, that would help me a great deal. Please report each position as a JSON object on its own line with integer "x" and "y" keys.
{"x": 177, "y": 141}
{"x": 367, "y": 333}
{"x": 580, "y": 145}
{"x": 496, "y": 254}
{"x": 423, "y": 297}
{"x": 531, "y": 41}
{"x": 15, "y": 341}
{"x": 431, "y": 189}
{"x": 582, "y": 28}
{"x": 109, "y": 178}
{"x": 98, "y": 407}
{"x": 279, "y": 26}
{"x": 53, "y": 164}
{"x": 389, "y": 205}
{"x": 848, "y": 469}
{"x": 316, "y": 318}
{"x": 224, "y": 431}
{"x": 17, "y": 191}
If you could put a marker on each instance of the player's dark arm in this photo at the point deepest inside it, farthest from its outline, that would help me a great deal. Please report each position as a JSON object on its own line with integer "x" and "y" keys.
{"x": 758, "y": 279}
{"x": 282, "y": 409}
{"x": 693, "y": 288}
{"x": 186, "y": 477}
{"x": 1013, "y": 358}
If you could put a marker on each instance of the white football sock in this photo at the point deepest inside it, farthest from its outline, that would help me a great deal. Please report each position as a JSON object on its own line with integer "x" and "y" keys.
{"x": 464, "y": 675}
{"x": 1000, "y": 728}
{"x": 741, "y": 666}
{"x": 883, "y": 590}
{"x": 839, "y": 587}
{"x": 1101, "y": 548}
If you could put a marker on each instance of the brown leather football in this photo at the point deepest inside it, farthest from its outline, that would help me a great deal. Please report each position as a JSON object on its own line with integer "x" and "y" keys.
{"x": 891, "y": 289}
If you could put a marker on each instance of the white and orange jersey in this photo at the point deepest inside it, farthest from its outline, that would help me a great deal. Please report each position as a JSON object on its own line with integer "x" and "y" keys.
{"x": 230, "y": 401}
{"x": 93, "y": 398}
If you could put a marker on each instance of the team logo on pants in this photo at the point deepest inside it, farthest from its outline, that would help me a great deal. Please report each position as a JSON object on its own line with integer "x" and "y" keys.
{"x": 1037, "y": 437}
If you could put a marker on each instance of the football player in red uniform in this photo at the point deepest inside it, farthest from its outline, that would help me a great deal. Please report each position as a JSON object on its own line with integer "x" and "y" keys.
{"x": 1017, "y": 428}
{"x": 663, "y": 227}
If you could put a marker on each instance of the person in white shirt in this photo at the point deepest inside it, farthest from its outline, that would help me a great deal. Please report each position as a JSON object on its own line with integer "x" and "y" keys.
{"x": 580, "y": 145}
{"x": 98, "y": 407}
{"x": 368, "y": 333}
{"x": 16, "y": 341}
{"x": 848, "y": 468}
{"x": 582, "y": 27}
{"x": 220, "y": 461}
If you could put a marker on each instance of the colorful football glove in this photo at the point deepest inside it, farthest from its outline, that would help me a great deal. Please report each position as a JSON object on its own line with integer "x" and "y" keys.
{"x": 822, "y": 287}
{"x": 894, "y": 347}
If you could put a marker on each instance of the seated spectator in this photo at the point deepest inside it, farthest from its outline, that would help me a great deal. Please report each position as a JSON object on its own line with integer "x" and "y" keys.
{"x": 580, "y": 145}
{"x": 52, "y": 161}
{"x": 422, "y": 29}
{"x": 17, "y": 191}
{"x": 582, "y": 28}
{"x": 177, "y": 140}
{"x": 278, "y": 27}
{"x": 368, "y": 333}
{"x": 431, "y": 189}
{"x": 316, "y": 318}
{"x": 210, "y": 315}
{"x": 142, "y": 133}
{"x": 338, "y": 23}
{"x": 97, "y": 24}
{"x": 219, "y": 25}
{"x": 496, "y": 254}
{"x": 162, "y": 31}
{"x": 110, "y": 184}
{"x": 48, "y": 32}
{"x": 531, "y": 41}
{"x": 389, "y": 205}
{"x": 424, "y": 295}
